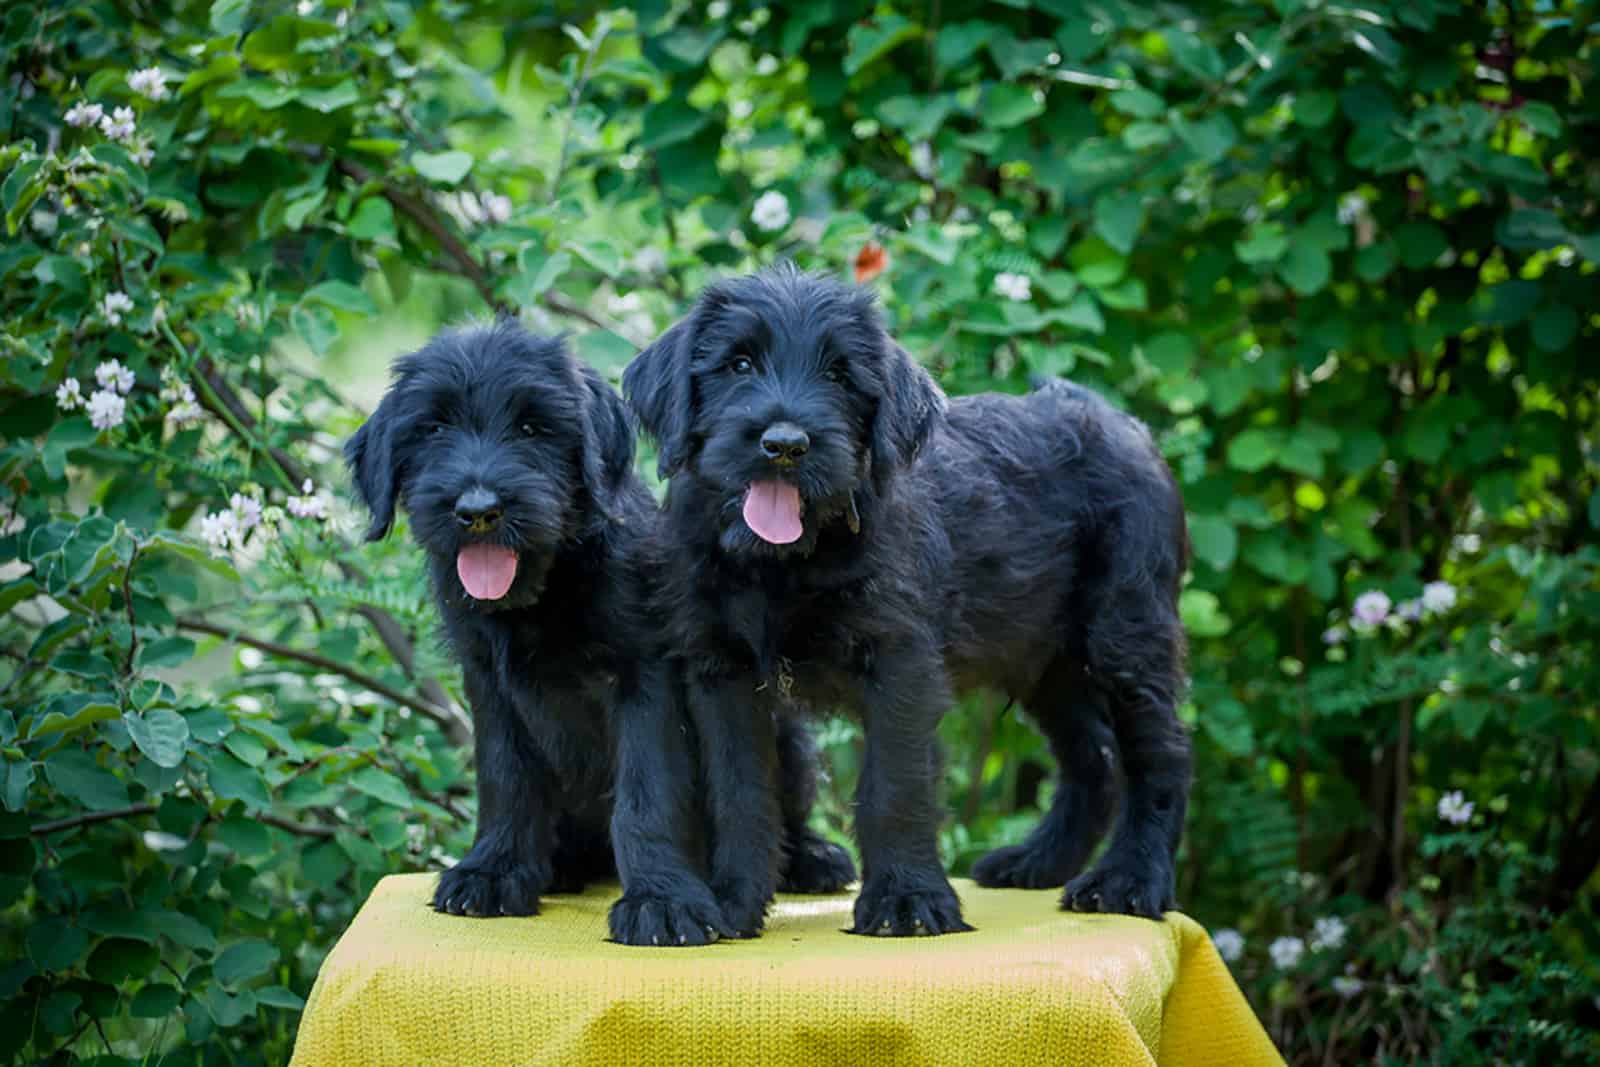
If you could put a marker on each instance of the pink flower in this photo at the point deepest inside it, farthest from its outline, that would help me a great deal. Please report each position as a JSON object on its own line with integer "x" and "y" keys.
{"x": 1370, "y": 609}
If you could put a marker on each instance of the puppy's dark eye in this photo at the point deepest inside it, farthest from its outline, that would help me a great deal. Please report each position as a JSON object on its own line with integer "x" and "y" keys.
{"x": 529, "y": 429}
{"x": 741, "y": 364}
{"x": 435, "y": 429}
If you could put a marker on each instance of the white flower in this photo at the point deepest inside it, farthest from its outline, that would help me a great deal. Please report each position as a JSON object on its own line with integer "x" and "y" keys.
{"x": 1230, "y": 944}
{"x": 1013, "y": 286}
{"x": 246, "y": 511}
{"x": 771, "y": 211}
{"x": 767, "y": 65}
{"x": 113, "y": 375}
{"x": 1351, "y": 207}
{"x": 182, "y": 407}
{"x": 1409, "y": 610}
{"x": 1327, "y": 932}
{"x": 311, "y": 505}
{"x": 119, "y": 125}
{"x": 84, "y": 113}
{"x": 342, "y": 19}
{"x": 1370, "y": 609}
{"x": 305, "y": 7}
{"x": 717, "y": 10}
{"x": 150, "y": 82}
{"x": 220, "y": 529}
{"x": 1286, "y": 952}
{"x": 1438, "y": 597}
{"x": 496, "y": 207}
{"x": 144, "y": 155}
{"x": 44, "y": 222}
{"x": 106, "y": 409}
{"x": 69, "y": 395}
{"x": 1334, "y": 635}
{"x": 922, "y": 161}
{"x": 113, "y": 305}
{"x": 1455, "y": 808}
{"x": 1348, "y": 987}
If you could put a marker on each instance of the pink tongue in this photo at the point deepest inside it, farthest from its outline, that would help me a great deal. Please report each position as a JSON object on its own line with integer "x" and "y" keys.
{"x": 487, "y": 571}
{"x": 772, "y": 510}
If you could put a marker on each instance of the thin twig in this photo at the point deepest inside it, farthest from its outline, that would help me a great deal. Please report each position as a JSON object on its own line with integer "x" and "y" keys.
{"x": 301, "y": 828}
{"x": 602, "y": 26}
{"x": 90, "y": 817}
{"x": 447, "y": 717}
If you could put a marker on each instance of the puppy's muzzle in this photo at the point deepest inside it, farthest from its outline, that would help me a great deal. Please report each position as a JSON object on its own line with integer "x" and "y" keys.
{"x": 479, "y": 511}
{"x": 784, "y": 443}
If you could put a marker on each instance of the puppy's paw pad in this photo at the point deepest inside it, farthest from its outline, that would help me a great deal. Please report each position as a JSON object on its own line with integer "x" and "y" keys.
{"x": 1120, "y": 890}
{"x": 817, "y": 866}
{"x": 908, "y": 913}
{"x": 654, "y": 920}
{"x": 486, "y": 892}
{"x": 1017, "y": 866}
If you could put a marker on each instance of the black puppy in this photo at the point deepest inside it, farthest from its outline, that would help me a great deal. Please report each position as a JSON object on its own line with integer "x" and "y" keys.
{"x": 843, "y": 537}
{"x": 514, "y": 461}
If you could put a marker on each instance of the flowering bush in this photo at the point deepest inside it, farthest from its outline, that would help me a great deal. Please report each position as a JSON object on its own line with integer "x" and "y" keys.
{"x": 1340, "y": 258}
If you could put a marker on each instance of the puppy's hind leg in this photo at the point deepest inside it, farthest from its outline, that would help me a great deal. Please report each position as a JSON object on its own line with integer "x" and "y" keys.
{"x": 811, "y": 863}
{"x": 1073, "y": 716}
{"x": 1136, "y": 655}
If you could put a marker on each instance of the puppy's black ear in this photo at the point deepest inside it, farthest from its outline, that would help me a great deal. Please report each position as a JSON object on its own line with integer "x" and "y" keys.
{"x": 607, "y": 441}
{"x": 910, "y": 405}
{"x": 657, "y": 386}
{"x": 374, "y": 467}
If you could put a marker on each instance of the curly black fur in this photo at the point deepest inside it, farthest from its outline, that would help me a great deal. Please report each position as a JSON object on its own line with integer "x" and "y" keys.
{"x": 1030, "y": 544}
{"x": 573, "y": 701}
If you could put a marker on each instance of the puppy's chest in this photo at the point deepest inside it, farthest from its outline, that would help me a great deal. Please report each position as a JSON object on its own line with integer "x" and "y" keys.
{"x": 802, "y": 646}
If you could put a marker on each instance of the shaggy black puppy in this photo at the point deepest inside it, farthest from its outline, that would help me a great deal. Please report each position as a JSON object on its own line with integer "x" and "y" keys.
{"x": 843, "y": 537}
{"x": 514, "y": 462}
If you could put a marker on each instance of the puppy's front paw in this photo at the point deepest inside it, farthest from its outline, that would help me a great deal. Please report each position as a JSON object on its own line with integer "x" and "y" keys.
{"x": 744, "y": 903}
{"x": 1019, "y": 866}
{"x": 886, "y": 910}
{"x": 658, "y": 919}
{"x": 816, "y": 865}
{"x": 1121, "y": 888}
{"x": 485, "y": 891}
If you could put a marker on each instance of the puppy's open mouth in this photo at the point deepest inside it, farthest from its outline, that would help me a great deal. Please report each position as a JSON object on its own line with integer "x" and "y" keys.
{"x": 486, "y": 571}
{"x": 772, "y": 511}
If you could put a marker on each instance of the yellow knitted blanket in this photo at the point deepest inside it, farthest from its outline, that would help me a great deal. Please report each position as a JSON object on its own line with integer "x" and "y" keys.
{"x": 1032, "y": 985}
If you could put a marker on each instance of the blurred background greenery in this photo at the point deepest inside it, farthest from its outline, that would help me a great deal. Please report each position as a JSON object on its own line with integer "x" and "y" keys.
{"x": 1341, "y": 257}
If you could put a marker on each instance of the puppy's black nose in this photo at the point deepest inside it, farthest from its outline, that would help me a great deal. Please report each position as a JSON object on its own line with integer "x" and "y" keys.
{"x": 478, "y": 510}
{"x": 784, "y": 442}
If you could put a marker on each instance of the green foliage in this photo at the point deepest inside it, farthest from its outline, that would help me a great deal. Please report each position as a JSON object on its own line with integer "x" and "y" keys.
{"x": 1341, "y": 258}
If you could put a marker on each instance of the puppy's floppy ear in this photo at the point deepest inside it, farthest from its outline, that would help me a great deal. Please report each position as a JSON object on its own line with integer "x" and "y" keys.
{"x": 657, "y": 386}
{"x": 374, "y": 467}
{"x": 910, "y": 405}
{"x": 607, "y": 440}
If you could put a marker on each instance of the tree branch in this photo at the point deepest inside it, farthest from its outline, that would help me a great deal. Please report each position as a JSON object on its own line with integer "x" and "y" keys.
{"x": 446, "y": 716}
{"x": 90, "y": 817}
{"x": 301, "y": 828}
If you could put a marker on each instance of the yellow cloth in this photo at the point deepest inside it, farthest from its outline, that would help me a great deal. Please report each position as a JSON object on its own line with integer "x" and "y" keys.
{"x": 1033, "y": 985}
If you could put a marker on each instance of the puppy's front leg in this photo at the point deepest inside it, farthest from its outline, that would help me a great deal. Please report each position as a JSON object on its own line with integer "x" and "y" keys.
{"x": 904, "y": 890}
{"x": 738, "y": 763}
{"x": 665, "y": 900}
{"x": 508, "y": 865}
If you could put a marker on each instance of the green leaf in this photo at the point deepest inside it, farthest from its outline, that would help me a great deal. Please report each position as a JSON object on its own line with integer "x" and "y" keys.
{"x": 161, "y": 734}
{"x": 1301, "y": 456}
{"x": 276, "y": 996}
{"x": 1554, "y": 327}
{"x": 331, "y": 99}
{"x": 1420, "y": 244}
{"x": 154, "y": 1001}
{"x": 232, "y": 780}
{"x": 958, "y": 42}
{"x": 866, "y": 41}
{"x": 1374, "y": 262}
{"x": 227, "y": 16}
{"x": 1127, "y": 295}
{"x": 16, "y": 778}
{"x": 77, "y": 774}
{"x": 373, "y": 220}
{"x": 341, "y": 295}
{"x": 446, "y": 168}
{"x": 193, "y": 551}
{"x": 66, "y": 437}
{"x": 600, "y": 254}
{"x": 243, "y": 960}
{"x": 1083, "y": 313}
{"x": 168, "y": 651}
{"x": 1196, "y": 56}
{"x": 1138, "y": 102}
{"x": 931, "y": 241}
{"x": 1227, "y": 722}
{"x": 537, "y": 271}
{"x": 1209, "y": 138}
{"x": 1253, "y": 450}
{"x": 1202, "y": 614}
{"x": 1118, "y": 217}
{"x": 1215, "y": 541}
{"x": 381, "y": 785}
{"x": 248, "y": 747}
{"x": 229, "y": 1009}
{"x": 1006, "y": 105}
{"x": 670, "y": 121}
{"x": 69, "y": 712}
{"x": 1315, "y": 108}
{"x": 1305, "y": 267}
{"x": 316, "y": 326}
{"x": 1264, "y": 242}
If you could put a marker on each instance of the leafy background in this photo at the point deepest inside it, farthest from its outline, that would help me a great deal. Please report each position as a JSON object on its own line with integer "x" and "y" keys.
{"x": 1342, "y": 257}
